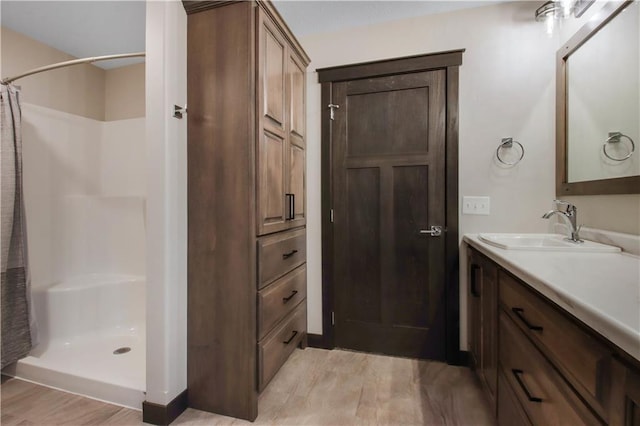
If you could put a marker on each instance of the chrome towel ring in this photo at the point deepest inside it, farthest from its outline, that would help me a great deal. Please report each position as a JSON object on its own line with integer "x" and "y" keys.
{"x": 616, "y": 137}
{"x": 508, "y": 143}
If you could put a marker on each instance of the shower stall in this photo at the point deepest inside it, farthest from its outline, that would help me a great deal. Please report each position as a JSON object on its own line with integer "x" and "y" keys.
{"x": 85, "y": 197}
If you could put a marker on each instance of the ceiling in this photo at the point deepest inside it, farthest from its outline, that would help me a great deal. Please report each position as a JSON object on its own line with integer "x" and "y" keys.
{"x": 81, "y": 28}
{"x": 306, "y": 17}
{"x": 95, "y": 28}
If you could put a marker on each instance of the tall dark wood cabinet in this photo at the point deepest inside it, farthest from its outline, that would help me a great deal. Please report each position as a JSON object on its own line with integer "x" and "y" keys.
{"x": 246, "y": 202}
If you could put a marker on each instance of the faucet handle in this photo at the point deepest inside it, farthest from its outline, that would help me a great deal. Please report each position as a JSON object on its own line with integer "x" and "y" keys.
{"x": 570, "y": 207}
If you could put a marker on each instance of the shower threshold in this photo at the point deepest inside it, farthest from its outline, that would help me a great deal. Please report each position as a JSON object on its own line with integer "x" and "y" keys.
{"x": 87, "y": 365}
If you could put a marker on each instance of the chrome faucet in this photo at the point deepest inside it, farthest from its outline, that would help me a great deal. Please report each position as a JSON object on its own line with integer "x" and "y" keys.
{"x": 569, "y": 215}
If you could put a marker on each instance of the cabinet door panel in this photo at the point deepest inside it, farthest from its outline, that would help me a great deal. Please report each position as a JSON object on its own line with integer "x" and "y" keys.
{"x": 296, "y": 90}
{"x": 483, "y": 322}
{"x": 489, "y": 301}
{"x": 297, "y": 183}
{"x": 271, "y": 184}
{"x": 474, "y": 322}
{"x": 632, "y": 397}
{"x": 271, "y": 79}
{"x": 297, "y": 98}
{"x": 625, "y": 395}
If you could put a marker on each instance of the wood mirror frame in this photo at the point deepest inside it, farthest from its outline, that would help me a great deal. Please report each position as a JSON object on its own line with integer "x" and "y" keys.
{"x": 622, "y": 185}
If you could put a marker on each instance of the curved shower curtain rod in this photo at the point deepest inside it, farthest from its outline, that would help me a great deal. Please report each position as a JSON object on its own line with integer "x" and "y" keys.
{"x": 70, "y": 63}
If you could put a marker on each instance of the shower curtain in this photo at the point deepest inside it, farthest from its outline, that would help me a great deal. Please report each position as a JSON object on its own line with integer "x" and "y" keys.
{"x": 14, "y": 295}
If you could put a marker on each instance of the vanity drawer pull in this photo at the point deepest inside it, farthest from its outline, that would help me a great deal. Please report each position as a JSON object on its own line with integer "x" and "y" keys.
{"x": 286, "y": 299}
{"x": 293, "y": 336}
{"x": 516, "y": 374}
{"x": 519, "y": 313}
{"x": 289, "y": 254}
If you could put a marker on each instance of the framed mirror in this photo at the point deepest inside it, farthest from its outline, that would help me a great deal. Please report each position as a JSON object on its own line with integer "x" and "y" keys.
{"x": 598, "y": 105}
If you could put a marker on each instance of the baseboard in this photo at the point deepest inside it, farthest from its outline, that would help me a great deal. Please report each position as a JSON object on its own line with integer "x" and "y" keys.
{"x": 316, "y": 341}
{"x": 157, "y": 414}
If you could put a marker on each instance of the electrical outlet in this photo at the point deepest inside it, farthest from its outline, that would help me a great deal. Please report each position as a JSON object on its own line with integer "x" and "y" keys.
{"x": 476, "y": 205}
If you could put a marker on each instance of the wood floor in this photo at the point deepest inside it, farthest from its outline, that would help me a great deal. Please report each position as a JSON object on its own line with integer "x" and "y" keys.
{"x": 315, "y": 387}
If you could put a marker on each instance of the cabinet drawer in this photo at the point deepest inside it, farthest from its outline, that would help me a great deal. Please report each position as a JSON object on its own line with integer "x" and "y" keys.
{"x": 278, "y": 299}
{"x": 279, "y": 254}
{"x": 545, "y": 396}
{"x": 274, "y": 350}
{"x": 583, "y": 360}
{"x": 510, "y": 412}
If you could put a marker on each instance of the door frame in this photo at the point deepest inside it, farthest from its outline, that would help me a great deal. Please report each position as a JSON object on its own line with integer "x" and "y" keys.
{"x": 449, "y": 61}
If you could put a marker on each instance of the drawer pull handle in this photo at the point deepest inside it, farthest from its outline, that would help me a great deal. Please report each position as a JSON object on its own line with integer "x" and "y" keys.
{"x": 519, "y": 313}
{"x": 288, "y": 255}
{"x": 516, "y": 374}
{"x": 286, "y": 299}
{"x": 293, "y": 335}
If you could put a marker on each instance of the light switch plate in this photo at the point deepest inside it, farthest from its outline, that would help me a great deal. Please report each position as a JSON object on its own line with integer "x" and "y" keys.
{"x": 476, "y": 205}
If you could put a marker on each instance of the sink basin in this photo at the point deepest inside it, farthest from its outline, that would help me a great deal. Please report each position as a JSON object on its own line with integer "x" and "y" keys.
{"x": 544, "y": 242}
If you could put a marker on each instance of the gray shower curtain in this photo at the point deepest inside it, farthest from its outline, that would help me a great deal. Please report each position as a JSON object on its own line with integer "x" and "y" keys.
{"x": 14, "y": 295}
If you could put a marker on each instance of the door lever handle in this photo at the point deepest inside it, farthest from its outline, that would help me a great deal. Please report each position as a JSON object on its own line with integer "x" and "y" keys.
{"x": 434, "y": 231}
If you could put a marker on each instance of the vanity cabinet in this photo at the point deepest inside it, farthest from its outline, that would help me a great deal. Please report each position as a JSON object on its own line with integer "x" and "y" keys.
{"x": 246, "y": 307}
{"x": 483, "y": 322}
{"x": 552, "y": 368}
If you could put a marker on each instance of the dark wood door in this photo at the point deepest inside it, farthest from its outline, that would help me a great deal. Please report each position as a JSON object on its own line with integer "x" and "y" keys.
{"x": 389, "y": 184}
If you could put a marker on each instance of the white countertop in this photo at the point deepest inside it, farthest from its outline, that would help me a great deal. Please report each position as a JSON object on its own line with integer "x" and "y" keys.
{"x": 600, "y": 289}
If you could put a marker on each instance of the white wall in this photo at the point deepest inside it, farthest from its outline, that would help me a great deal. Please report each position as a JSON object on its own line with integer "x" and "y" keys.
{"x": 506, "y": 89}
{"x": 166, "y": 169}
{"x": 77, "y": 90}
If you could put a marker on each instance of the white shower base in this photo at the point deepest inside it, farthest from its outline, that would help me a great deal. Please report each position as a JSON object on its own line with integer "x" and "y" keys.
{"x": 81, "y": 322}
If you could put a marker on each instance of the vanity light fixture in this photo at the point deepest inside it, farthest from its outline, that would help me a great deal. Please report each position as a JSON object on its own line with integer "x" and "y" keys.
{"x": 555, "y": 10}
{"x": 551, "y": 11}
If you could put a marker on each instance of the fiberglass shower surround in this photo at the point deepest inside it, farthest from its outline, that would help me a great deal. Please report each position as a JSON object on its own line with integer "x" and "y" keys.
{"x": 85, "y": 195}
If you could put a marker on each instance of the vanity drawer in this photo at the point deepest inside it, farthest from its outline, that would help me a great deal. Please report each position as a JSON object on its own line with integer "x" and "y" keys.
{"x": 274, "y": 350}
{"x": 510, "y": 412}
{"x": 544, "y": 395}
{"x": 279, "y": 254}
{"x": 583, "y": 359}
{"x": 278, "y": 299}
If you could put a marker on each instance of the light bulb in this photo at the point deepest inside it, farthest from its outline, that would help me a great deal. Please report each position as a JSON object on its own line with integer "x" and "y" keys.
{"x": 549, "y": 21}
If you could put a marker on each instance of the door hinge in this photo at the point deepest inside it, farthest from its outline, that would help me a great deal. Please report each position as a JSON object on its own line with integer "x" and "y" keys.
{"x": 333, "y": 318}
{"x": 331, "y": 215}
{"x": 332, "y": 112}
